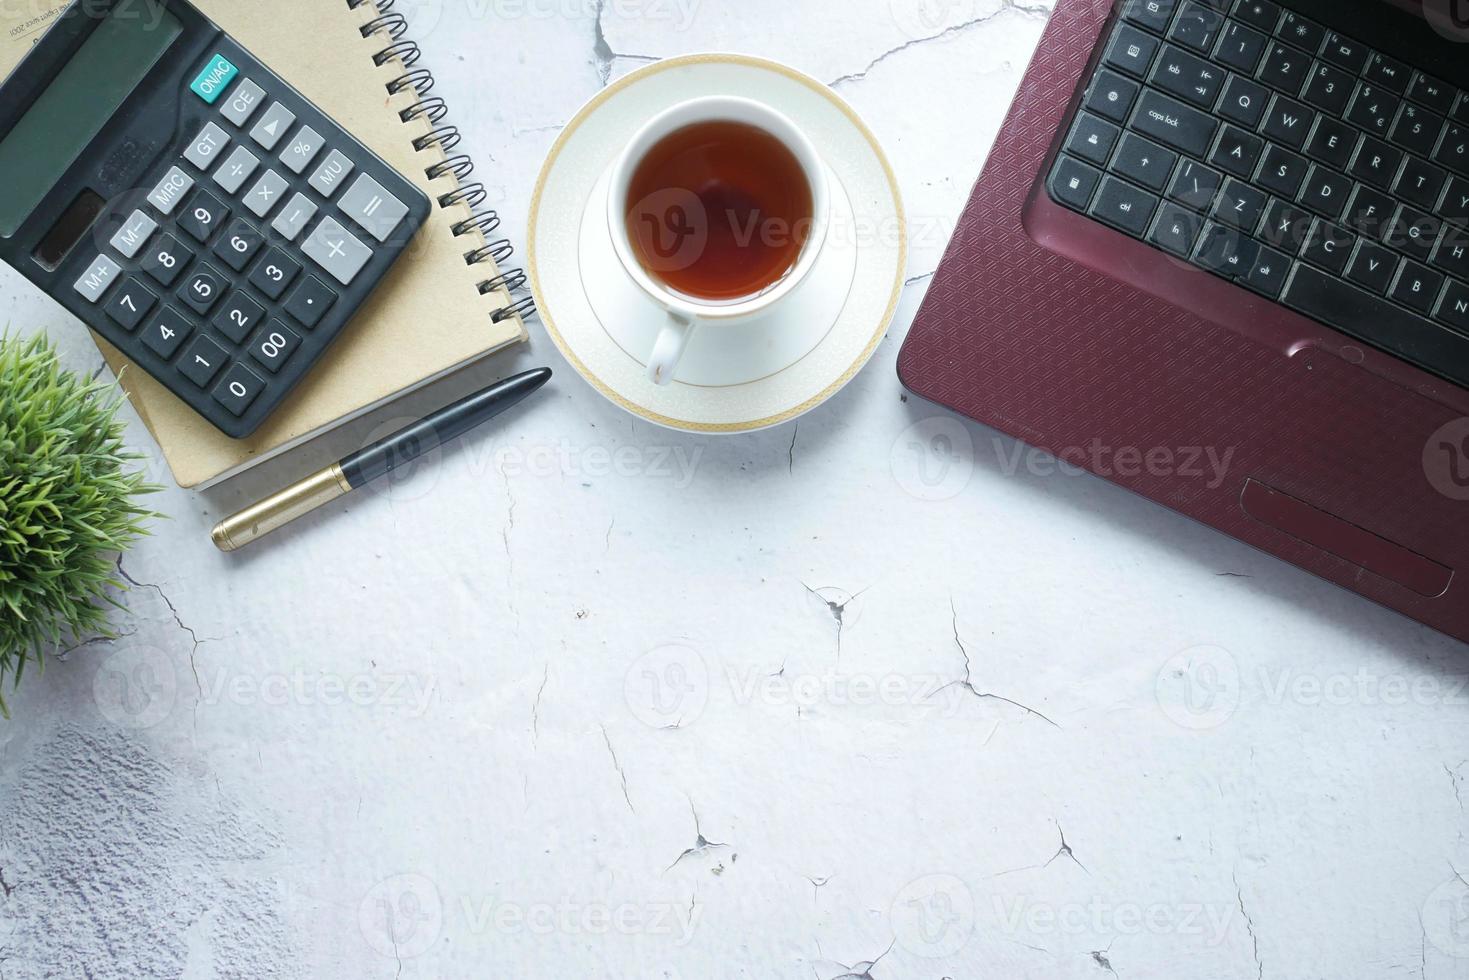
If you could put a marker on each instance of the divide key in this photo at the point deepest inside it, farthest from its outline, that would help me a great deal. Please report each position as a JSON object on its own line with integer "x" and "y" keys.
{"x": 1180, "y": 126}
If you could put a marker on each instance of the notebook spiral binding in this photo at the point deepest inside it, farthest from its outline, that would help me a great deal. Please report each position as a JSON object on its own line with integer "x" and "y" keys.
{"x": 482, "y": 222}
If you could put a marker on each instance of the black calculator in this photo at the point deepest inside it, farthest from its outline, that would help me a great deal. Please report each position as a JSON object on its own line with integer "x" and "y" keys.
{"x": 190, "y": 206}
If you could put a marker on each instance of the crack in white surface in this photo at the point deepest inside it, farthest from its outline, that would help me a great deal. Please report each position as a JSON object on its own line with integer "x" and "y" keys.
{"x": 1006, "y": 6}
{"x": 535, "y": 708}
{"x": 702, "y": 845}
{"x": 837, "y": 609}
{"x": 967, "y": 682}
{"x": 603, "y": 55}
{"x": 1249, "y": 928}
{"x": 622, "y": 776}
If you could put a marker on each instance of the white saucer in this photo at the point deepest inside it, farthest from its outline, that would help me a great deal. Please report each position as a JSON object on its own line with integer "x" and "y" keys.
{"x": 804, "y": 352}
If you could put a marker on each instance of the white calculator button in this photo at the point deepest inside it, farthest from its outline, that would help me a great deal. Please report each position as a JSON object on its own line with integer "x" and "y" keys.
{"x": 170, "y": 190}
{"x": 207, "y": 147}
{"x": 370, "y": 205}
{"x": 134, "y": 234}
{"x": 332, "y": 173}
{"x": 233, "y": 173}
{"x": 241, "y": 105}
{"x": 294, "y": 217}
{"x": 267, "y": 194}
{"x": 97, "y": 278}
{"x": 301, "y": 149}
{"x": 273, "y": 126}
{"x": 335, "y": 249}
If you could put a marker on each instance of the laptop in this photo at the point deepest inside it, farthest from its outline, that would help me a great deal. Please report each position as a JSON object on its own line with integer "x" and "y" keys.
{"x": 1235, "y": 230}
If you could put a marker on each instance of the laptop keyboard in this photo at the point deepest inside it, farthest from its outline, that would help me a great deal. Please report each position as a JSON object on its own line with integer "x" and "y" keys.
{"x": 1291, "y": 159}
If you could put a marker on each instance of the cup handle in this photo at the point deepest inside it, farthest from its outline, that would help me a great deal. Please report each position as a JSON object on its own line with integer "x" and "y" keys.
{"x": 669, "y": 349}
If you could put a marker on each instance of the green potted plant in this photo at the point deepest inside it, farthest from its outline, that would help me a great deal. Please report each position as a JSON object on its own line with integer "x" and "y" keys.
{"x": 68, "y": 505}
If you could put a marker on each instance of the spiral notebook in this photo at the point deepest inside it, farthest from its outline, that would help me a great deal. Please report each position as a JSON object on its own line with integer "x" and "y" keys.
{"x": 447, "y": 303}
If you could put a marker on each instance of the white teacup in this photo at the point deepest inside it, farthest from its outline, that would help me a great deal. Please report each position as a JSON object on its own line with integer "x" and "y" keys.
{"x": 686, "y": 314}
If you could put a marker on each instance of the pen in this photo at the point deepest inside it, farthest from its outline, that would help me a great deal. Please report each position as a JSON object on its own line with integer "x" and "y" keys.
{"x": 378, "y": 459}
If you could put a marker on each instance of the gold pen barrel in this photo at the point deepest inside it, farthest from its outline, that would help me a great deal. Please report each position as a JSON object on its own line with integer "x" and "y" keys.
{"x": 280, "y": 509}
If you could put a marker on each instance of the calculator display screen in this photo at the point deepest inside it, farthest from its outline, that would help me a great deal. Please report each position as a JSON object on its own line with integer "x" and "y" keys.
{"x": 72, "y": 110}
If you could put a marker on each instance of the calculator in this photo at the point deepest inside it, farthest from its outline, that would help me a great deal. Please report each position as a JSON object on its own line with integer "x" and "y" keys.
{"x": 190, "y": 206}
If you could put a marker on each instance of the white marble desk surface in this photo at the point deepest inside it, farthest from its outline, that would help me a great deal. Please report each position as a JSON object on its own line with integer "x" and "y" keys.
{"x": 584, "y": 698}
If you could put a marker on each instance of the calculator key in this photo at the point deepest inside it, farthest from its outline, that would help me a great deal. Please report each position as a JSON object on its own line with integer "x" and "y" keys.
{"x": 207, "y": 147}
{"x": 301, "y": 149}
{"x": 166, "y": 331}
{"x": 332, "y": 173}
{"x": 272, "y": 126}
{"x": 99, "y": 275}
{"x": 242, "y": 103}
{"x": 133, "y": 234}
{"x": 239, "y": 245}
{"x": 204, "y": 215}
{"x": 268, "y": 191}
{"x": 130, "y": 304}
{"x": 1074, "y": 182}
{"x": 202, "y": 289}
{"x": 166, "y": 260}
{"x": 290, "y": 222}
{"x": 238, "y": 316}
{"x": 237, "y": 169}
{"x": 337, "y": 251}
{"x": 214, "y": 79}
{"x": 370, "y": 205}
{"x": 202, "y": 361}
{"x": 275, "y": 273}
{"x": 166, "y": 195}
{"x": 309, "y": 303}
{"x": 274, "y": 345}
{"x": 238, "y": 390}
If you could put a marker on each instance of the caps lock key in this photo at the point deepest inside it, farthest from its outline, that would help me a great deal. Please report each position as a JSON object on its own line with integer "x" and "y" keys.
{"x": 1180, "y": 126}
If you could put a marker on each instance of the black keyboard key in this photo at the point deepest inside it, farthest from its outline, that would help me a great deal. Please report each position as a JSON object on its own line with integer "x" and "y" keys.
{"x": 239, "y": 245}
{"x": 309, "y": 303}
{"x": 1455, "y": 205}
{"x": 1268, "y": 271}
{"x": 205, "y": 215}
{"x": 166, "y": 330}
{"x": 1176, "y": 230}
{"x": 1328, "y": 245}
{"x": 1259, "y": 13}
{"x": 1174, "y": 123}
{"x": 1453, "y": 152}
{"x": 1144, "y": 162}
{"x": 1453, "y": 308}
{"x": 1413, "y": 232}
{"x": 1072, "y": 183}
{"x": 202, "y": 361}
{"x": 1429, "y": 91}
{"x": 238, "y": 390}
{"x": 1282, "y": 171}
{"x": 1376, "y": 162}
{"x": 1329, "y": 89}
{"x": 1332, "y": 143}
{"x": 1390, "y": 73}
{"x": 1244, "y": 101}
{"x": 165, "y": 260}
{"x": 1416, "y": 130}
{"x": 1373, "y": 109}
{"x": 1418, "y": 286}
{"x": 1196, "y": 25}
{"x": 1195, "y": 185}
{"x": 1285, "y": 68}
{"x": 1124, "y": 206}
{"x": 275, "y": 273}
{"x": 1132, "y": 50}
{"x": 1420, "y": 183}
{"x": 1186, "y": 76}
{"x": 1369, "y": 211}
{"x": 274, "y": 345}
{"x": 238, "y": 316}
{"x": 1092, "y": 139}
{"x": 1285, "y": 225}
{"x": 1373, "y": 266}
{"x": 1237, "y": 152}
{"x": 1240, "y": 205}
{"x": 1325, "y": 192}
{"x": 130, "y": 304}
{"x": 1241, "y": 48}
{"x": 1301, "y": 32}
{"x": 1362, "y": 315}
{"x": 1451, "y": 254}
{"x": 1152, "y": 14}
{"x": 1345, "y": 52}
{"x": 1111, "y": 95}
{"x": 1288, "y": 122}
{"x": 1225, "y": 250}
{"x": 202, "y": 289}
